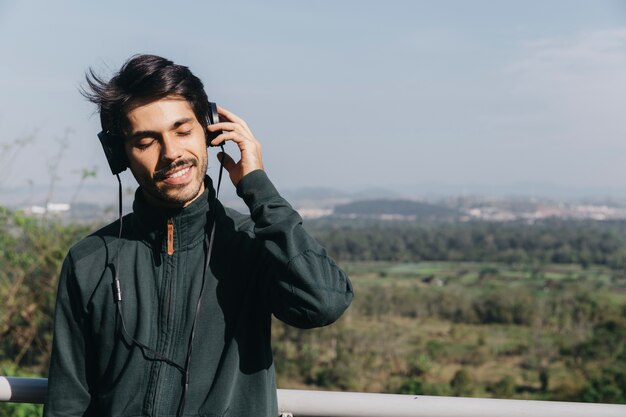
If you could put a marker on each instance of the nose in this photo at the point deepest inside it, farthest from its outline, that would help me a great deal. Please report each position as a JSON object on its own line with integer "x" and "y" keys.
{"x": 170, "y": 149}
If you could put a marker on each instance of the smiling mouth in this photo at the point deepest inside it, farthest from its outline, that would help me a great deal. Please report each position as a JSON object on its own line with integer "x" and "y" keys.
{"x": 178, "y": 173}
{"x": 175, "y": 170}
{"x": 179, "y": 177}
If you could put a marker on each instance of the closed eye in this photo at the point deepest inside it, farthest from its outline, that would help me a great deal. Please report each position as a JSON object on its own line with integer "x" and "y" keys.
{"x": 143, "y": 143}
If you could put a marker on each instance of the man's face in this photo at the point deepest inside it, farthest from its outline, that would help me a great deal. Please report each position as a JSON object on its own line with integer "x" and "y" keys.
{"x": 166, "y": 149}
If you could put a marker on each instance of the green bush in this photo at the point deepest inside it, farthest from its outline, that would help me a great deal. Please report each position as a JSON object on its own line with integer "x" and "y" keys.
{"x": 461, "y": 383}
{"x": 607, "y": 387}
{"x": 412, "y": 386}
{"x": 504, "y": 388}
{"x": 31, "y": 253}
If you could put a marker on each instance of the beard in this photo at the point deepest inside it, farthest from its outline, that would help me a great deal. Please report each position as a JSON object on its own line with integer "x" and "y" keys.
{"x": 175, "y": 195}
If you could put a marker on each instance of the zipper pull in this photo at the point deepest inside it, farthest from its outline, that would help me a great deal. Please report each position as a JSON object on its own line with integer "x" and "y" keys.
{"x": 170, "y": 236}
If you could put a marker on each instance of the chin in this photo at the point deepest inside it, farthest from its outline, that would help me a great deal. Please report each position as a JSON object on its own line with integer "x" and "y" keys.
{"x": 183, "y": 196}
{"x": 170, "y": 196}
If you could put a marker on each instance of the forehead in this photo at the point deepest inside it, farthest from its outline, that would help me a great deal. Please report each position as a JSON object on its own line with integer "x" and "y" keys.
{"x": 158, "y": 114}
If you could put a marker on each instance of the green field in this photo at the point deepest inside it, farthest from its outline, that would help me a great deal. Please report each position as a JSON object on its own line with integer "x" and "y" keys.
{"x": 466, "y": 328}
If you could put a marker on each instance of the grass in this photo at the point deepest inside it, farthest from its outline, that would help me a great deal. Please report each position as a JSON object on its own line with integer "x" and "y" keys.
{"x": 386, "y": 348}
{"x": 476, "y": 273}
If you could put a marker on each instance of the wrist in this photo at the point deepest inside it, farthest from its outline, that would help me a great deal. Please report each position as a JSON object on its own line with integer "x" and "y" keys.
{"x": 255, "y": 188}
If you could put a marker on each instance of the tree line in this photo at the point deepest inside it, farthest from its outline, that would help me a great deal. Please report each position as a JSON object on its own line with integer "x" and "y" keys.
{"x": 582, "y": 242}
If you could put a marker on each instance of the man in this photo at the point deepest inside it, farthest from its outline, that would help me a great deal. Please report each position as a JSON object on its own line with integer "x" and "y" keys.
{"x": 186, "y": 328}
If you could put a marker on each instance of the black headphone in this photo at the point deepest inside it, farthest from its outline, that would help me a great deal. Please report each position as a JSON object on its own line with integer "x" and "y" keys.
{"x": 113, "y": 144}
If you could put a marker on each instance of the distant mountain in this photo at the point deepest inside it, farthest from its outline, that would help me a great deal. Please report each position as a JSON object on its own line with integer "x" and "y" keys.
{"x": 395, "y": 207}
{"x": 376, "y": 193}
{"x": 325, "y": 193}
{"x": 327, "y": 198}
{"x": 104, "y": 193}
{"x": 314, "y": 193}
{"x": 528, "y": 189}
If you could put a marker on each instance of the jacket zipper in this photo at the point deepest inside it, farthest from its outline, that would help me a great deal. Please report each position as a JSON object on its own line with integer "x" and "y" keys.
{"x": 170, "y": 236}
{"x": 167, "y": 306}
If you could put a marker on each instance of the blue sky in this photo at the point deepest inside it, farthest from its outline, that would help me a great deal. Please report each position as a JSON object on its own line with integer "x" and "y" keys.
{"x": 343, "y": 94}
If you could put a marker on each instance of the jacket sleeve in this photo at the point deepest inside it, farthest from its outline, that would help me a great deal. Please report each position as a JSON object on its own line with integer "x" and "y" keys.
{"x": 306, "y": 288}
{"x": 68, "y": 393}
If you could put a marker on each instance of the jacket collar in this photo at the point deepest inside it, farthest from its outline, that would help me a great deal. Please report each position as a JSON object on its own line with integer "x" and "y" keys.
{"x": 189, "y": 223}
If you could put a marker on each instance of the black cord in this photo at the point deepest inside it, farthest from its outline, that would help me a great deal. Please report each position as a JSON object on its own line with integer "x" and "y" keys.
{"x": 117, "y": 289}
{"x": 147, "y": 352}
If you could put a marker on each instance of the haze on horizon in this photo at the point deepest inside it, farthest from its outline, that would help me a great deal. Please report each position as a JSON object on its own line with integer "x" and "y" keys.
{"x": 345, "y": 95}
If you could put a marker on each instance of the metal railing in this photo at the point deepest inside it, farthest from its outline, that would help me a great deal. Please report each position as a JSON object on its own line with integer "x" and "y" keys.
{"x": 300, "y": 403}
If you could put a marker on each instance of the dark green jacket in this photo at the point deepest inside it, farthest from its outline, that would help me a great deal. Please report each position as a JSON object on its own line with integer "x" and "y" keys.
{"x": 262, "y": 264}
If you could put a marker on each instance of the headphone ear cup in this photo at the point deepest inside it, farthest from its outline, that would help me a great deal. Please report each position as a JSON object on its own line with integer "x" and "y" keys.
{"x": 212, "y": 118}
{"x": 113, "y": 148}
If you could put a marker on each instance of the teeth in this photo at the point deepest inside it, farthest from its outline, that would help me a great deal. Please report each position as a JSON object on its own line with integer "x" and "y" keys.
{"x": 180, "y": 173}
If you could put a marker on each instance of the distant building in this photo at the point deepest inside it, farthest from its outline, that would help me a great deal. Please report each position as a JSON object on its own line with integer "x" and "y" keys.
{"x": 49, "y": 208}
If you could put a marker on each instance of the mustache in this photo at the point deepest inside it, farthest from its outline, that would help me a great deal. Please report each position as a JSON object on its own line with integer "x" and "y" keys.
{"x": 162, "y": 173}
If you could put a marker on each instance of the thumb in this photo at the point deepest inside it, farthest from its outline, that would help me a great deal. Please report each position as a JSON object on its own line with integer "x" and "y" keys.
{"x": 226, "y": 160}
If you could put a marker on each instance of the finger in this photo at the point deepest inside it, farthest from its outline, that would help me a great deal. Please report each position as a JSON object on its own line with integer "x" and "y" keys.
{"x": 227, "y": 161}
{"x": 233, "y": 118}
{"x": 233, "y": 136}
{"x": 229, "y": 126}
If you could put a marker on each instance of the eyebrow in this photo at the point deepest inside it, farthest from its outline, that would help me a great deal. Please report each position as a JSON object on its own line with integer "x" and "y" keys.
{"x": 152, "y": 133}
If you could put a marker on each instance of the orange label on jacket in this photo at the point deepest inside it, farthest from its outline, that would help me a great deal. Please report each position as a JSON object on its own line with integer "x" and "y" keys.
{"x": 170, "y": 237}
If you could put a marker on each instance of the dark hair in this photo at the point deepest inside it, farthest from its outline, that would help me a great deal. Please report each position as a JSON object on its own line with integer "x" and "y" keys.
{"x": 143, "y": 78}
